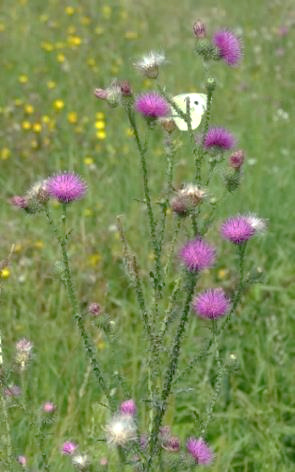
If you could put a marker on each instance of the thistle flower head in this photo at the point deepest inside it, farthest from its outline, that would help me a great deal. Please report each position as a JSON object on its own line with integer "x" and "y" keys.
{"x": 200, "y": 451}
{"x": 94, "y": 308}
{"x": 152, "y": 105}
{"x": 128, "y": 407}
{"x": 211, "y": 303}
{"x": 112, "y": 94}
{"x": 38, "y": 193}
{"x": 149, "y": 64}
{"x": 228, "y": 46}
{"x": 49, "y": 407}
{"x": 237, "y": 229}
{"x": 68, "y": 448}
{"x": 197, "y": 255}
{"x": 66, "y": 187}
{"x": 80, "y": 461}
{"x": 236, "y": 159}
{"x": 120, "y": 430}
{"x": 18, "y": 201}
{"x": 22, "y": 460}
{"x": 13, "y": 391}
{"x": 23, "y": 352}
{"x": 219, "y": 138}
{"x": 199, "y": 29}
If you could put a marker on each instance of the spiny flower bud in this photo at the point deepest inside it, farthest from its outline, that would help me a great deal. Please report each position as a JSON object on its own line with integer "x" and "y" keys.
{"x": 207, "y": 50}
{"x": 94, "y": 309}
{"x": 211, "y": 84}
{"x": 236, "y": 159}
{"x": 38, "y": 193}
{"x": 18, "y": 201}
{"x": 112, "y": 94}
{"x": 126, "y": 89}
{"x": 49, "y": 407}
{"x": 199, "y": 29}
{"x": 23, "y": 352}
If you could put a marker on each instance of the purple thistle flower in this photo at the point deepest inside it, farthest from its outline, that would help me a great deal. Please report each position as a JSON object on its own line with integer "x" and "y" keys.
{"x": 66, "y": 187}
{"x": 22, "y": 460}
{"x": 49, "y": 407}
{"x": 211, "y": 303}
{"x": 219, "y": 138}
{"x": 128, "y": 407}
{"x": 68, "y": 448}
{"x": 229, "y": 47}
{"x": 197, "y": 255}
{"x": 237, "y": 229}
{"x": 200, "y": 451}
{"x": 94, "y": 308}
{"x": 152, "y": 105}
{"x": 236, "y": 159}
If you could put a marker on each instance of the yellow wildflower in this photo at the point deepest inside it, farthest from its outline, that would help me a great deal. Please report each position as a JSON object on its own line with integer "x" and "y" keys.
{"x": 94, "y": 259}
{"x": 38, "y": 244}
{"x": 100, "y": 124}
{"x": 85, "y": 20}
{"x": 88, "y": 161}
{"x": 46, "y": 119}
{"x": 23, "y": 79}
{"x": 26, "y": 125}
{"x": 17, "y": 248}
{"x": 131, "y": 35}
{"x": 99, "y": 115}
{"x": 58, "y": 105}
{"x": 72, "y": 117}
{"x": 74, "y": 41}
{"x": 46, "y": 46}
{"x": 107, "y": 11}
{"x": 37, "y": 128}
{"x": 129, "y": 132}
{"x": 29, "y": 109}
{"x": 51, "y": 84}
{"x": 88, "y": 212}
{"x": 5, "y": 153}
{"x": 70, "y": 10}
{"x": 222, "y": 274}
{"x": 18, "y": 102}
{"x": 101, "y": 134}
{"x": 5, "y": 273}
{"x": 60, "y": 58}
{"x": 91, "y": 62}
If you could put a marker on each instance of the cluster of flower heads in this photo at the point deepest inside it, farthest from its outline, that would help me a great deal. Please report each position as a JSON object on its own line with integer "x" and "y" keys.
{"x": 198, "y": 255}
{"x": 65, "y": 187}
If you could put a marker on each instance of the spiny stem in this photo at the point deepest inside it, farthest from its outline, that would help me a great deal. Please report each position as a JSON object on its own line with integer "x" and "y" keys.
{"x": 142, "y": 152}
{"x": 89, "y": 349}
{"x": 170, "y": 372}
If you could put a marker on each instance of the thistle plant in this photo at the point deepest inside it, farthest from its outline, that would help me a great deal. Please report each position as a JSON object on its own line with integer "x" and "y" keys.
{"x": 172, "y": 293}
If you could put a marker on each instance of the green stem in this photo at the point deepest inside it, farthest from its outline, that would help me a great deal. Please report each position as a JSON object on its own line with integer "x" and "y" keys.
{"x": 142, "y": 152}
{"x": 199, "y": 156}
{"x": 7, "y": 433}
{"x": 89, "y": 349}
{"x": 170, "y": 372}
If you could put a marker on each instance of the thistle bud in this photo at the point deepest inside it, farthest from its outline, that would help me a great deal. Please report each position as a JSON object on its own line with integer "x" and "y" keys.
{"x": 20, "y": 202}
{"x": 199, "y": 29}
{"x": 186, "y": 199}
{"x": 236, "y": 159}
{"x": 94, "y": 309}
{"x": 126, "y": 89}
{"x": 168, "y": 124}
{"x": 211, "y": 84}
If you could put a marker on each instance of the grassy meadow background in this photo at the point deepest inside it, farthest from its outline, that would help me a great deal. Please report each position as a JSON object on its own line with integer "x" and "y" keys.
{"x": 53, "y": 55}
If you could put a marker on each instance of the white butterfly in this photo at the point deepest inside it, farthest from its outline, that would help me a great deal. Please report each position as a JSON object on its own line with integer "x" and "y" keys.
{"x": 198, "y": 105}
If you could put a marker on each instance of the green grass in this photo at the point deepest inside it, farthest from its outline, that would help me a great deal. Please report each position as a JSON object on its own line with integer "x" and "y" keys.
{"x": 252, "y": 428}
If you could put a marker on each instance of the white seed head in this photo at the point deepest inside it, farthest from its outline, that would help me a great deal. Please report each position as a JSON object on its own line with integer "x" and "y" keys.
{"x": 149, "y": 64}
{"x": 23, "y": 352}
{"x": 80, "y": 461}
{"x": 120, "y": 430}
{"x": 258, "y": 224}
{"x": 193, "y": 192}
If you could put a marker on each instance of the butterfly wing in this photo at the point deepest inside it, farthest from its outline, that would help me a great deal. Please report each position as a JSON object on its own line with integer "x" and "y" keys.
{"x": 198, "y": 104}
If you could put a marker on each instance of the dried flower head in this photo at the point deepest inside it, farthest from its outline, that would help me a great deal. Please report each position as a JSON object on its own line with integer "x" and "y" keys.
{"x": 172, "y": 444}
{"x": 187, "y": 198}
{"x": 66, "y": 187}
{"x": 211, "y": 303}
{"x": 168, "y": 124}
{"x": 219, "y": 138}
{"x": 120, "y": 430}
{"x": 236, "y": 159}
{"x": 128, "y": 407}
{"x": 12, "y": 391}
{"x": 228, "y": 46}
{"x": 200, "y": 451}
{"x": 199, "y": 29}
{"x": 197, "y": 255}
{"x": 38, "y": 193}
{"x": 152, "y": 105}
{"x": 237, "y": 229}
{"x": 80, "y": 461}
{"x": 68, "y": 448}
{"x": 23, "y": 352}
{"x": 149, "y": 64}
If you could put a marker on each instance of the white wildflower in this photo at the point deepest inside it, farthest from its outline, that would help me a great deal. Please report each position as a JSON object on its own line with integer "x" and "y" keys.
{"x": 149, "y": 64}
